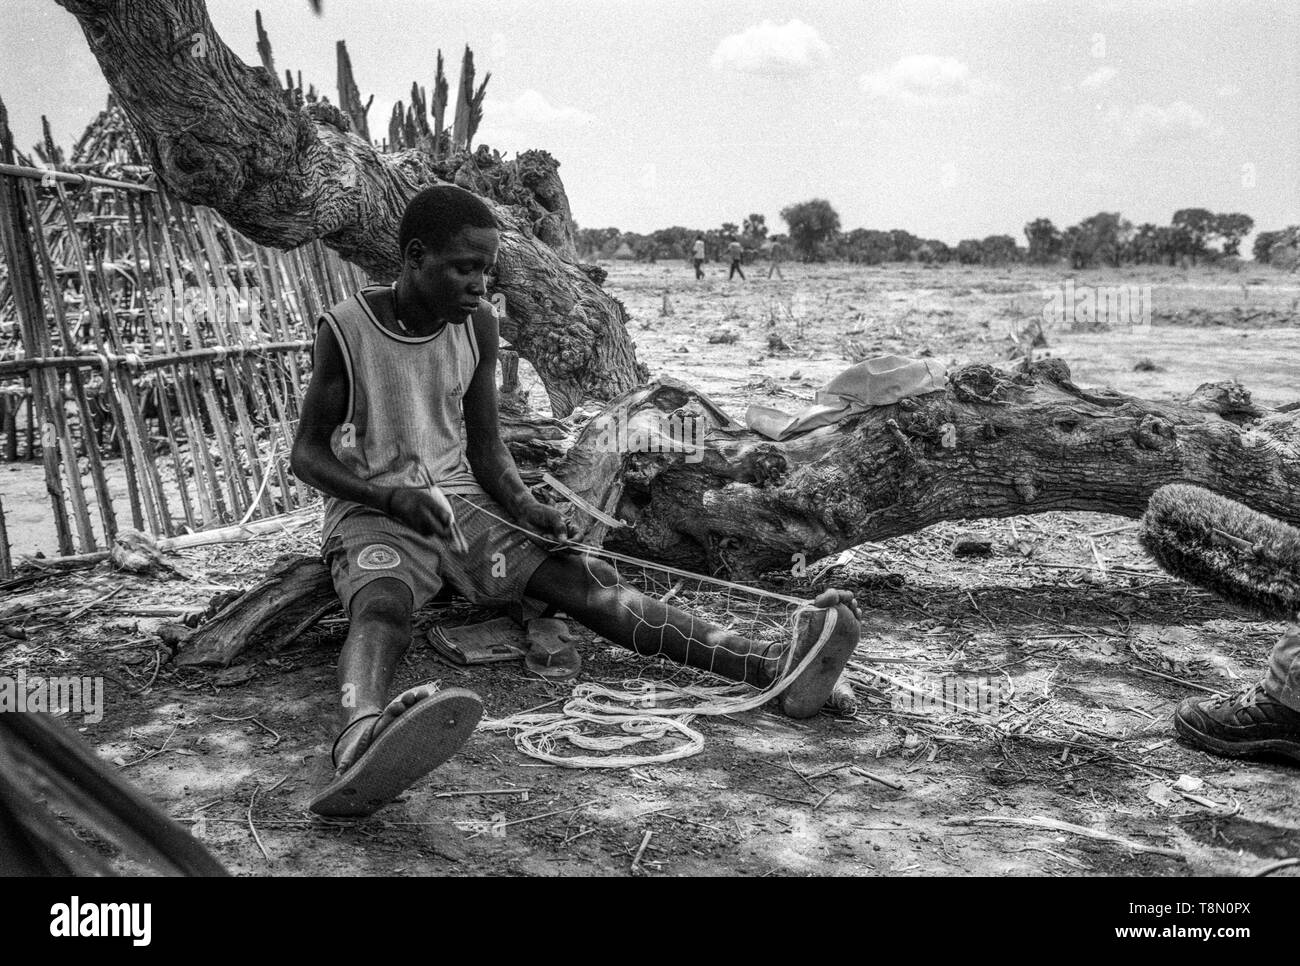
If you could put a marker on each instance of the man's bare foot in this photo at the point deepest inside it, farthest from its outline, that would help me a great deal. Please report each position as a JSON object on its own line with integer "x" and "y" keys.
{"x": 356, "y": 736}
{"x": 551, "y": 651}
{"x": 811, "y": 689}
{"x": 415, "y": 733}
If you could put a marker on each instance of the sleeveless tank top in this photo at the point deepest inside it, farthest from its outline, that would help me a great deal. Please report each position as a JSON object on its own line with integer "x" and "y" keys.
{"x": 404, "y": 426}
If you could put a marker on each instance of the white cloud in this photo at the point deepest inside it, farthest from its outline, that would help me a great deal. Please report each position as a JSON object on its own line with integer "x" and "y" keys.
{"x": 1228, "y": 90}
{"x": 1098, "y": 78}
{"x": 1179, "y": 120}
{"x": 526, "y": 120}
{"x": 921, "y": 77}
{"x": 499, "y": 48}
{"x": 531, "y": 108}
{"x": 767, "y": 48}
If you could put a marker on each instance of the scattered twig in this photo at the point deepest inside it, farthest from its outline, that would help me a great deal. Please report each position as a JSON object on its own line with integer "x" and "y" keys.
{"x": 1223, "y": 808}
{"x": 308, "y": 622}
{"x": 156, "y": 752}
{"x": 98, "y": 600}
{"x": 980, "y": 612}
{"x": 157, "y": 664}
{"x": 1064, "y": 858}
{"x": 688, "y": 821}
{"x": 253, "y": 718}
{"x": 802, "y": 777}
{"x": 1123, "y": 571}
{"x": 266, "y": 478}
{"x": 157, "y": 611}
{"x": 1170, "y": 677}
{"x": 541, "y": 706}
{"x": 1097, "y": 558}
{"x": 1112, "y": 530}
{"x": 1055, "y": 825}
{"x": 829, "y": 771}
{"x": 253, "y": 828}
{"x": 1144, "y": 767}
{"x": 888, "y": 782}
{"x": 534, "y": 818}
{"x": 1273, "y": 867}
{"x": 130, "y": 645}
{"x": 645, "y": 841}
{"x": 655, "y": 811}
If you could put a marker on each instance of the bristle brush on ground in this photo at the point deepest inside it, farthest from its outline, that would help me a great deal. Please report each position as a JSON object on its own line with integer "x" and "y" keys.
{"x": 1245, "y": 557}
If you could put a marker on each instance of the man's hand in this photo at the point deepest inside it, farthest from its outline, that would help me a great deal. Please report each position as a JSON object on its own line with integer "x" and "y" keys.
{"x": 425, "y": 510}
{"x": 547, "y": 522}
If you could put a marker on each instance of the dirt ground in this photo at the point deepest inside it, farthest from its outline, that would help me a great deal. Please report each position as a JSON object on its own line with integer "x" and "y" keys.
{"x": 1091, "y": 647}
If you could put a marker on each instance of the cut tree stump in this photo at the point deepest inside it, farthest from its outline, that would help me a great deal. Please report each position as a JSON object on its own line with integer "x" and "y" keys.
{"x": 295, "y": 594}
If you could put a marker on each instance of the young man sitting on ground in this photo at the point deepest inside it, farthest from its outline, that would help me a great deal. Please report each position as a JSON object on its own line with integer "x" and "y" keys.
{"x": 380, "y": 436}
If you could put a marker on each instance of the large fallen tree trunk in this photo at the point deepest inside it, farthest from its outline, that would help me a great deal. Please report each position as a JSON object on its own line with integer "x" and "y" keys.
{"x": 993, "y": 444}
{"x": 223, "y": 134}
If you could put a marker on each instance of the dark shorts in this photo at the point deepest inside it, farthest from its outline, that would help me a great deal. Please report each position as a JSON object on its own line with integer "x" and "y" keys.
{"x": 367, "y": 545}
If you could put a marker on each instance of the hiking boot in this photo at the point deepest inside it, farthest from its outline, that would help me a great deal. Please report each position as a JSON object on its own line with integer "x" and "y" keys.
{"x": 1248, "y": 723}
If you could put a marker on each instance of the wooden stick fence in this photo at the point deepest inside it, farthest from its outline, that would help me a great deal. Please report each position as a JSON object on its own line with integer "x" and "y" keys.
{"x": 160, "y": 353}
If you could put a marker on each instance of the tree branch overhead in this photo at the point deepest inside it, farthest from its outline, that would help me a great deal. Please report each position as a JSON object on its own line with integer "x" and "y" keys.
{"x": 223, "y": 134}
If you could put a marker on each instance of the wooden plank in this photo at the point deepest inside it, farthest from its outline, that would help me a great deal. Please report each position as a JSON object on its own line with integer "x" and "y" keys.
{"x": 235, "y": 485}
{"x": 13, "y": 367}
{"x": 255, "y": 381}
{"x": 138, "y": 463}
{"x": 275, "y": 376}
{"x": 144, "y": 457}
{"x": 207, "y": 481}
{"x": 233, "y": 335}
{"x": 70, "y": 177}
{"x": 89, "y": 443}
{"x": 22, "y": 275}
{"x": 274, "y": 269}
{"x": 161, "y": 334}
{"x": 6, "y": 561}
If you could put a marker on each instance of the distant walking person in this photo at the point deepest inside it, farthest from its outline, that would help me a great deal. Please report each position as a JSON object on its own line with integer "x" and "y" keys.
{"x": 734, "y": 251}
{"x": 775, "y": 256}
{"x": 698, "y": 255}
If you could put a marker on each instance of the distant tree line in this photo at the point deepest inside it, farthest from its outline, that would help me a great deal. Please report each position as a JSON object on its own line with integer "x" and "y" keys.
{"x": 1281, "y": 248}
{"x": 1193, "y": 236}
{"x": 672, "y": 243}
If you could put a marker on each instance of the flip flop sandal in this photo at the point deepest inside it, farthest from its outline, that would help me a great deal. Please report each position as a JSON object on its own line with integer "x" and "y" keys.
{"x": 419, "y": 740}
{"x": 552, "y": 655}
{"x": 496, "y": 640}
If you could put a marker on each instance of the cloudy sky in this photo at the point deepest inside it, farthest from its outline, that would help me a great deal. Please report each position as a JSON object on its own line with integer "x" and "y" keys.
{"x": 950, "y": 119}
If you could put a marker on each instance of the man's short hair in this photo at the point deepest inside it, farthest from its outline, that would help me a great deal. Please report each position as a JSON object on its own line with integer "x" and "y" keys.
{"x": 436, "y": 214}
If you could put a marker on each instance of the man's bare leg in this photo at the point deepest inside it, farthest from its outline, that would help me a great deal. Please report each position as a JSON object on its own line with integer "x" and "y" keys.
{"x": 385, "y": 747}
{"x": 379, "y": 633}
{"x": 589, "y": 591}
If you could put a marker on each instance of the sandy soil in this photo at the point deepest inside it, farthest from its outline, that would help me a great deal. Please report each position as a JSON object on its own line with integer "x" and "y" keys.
{"x": 1098, "y": 646}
